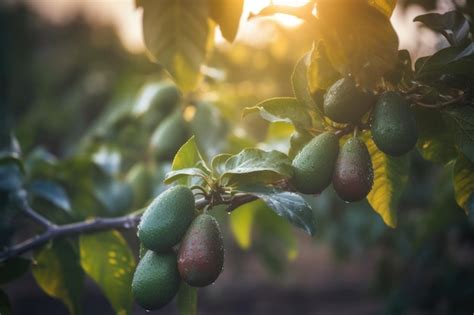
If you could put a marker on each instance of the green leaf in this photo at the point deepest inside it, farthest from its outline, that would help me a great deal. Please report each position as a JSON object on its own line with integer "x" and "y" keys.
{"x": 10, "y": 177}
{"x": 461, "y": 120}
{"x": 187, "y": 299}
{"x": 107, "y": 259}
{"x": 435, "y": 139}
{"x": 13, "y": 268}
{"x": 209, "y": 128}
{"x": 299, "y": 82}
{"x": 254, "y": 165}
{"x": 463, "y": 177}
{"x": 452, "y": 25}
{"x": 115, "y": 196}
{"x": 390, "y": 178}
{"x": 5, "y": 306}
{"x": 177, "y": 34}
{"x": 359, "y": 39}
{"x": 218, "y": 163}
{"x": 320, "y": 73}
{"x": 188, "y": 156}
{"x": 58, "y": 272}
{"x": 227, "y": 14}
{"x": 451, "y": 60}
{"x": 287, "y": 204}
{"x": 51, "y": 192}
{"x": 184, "y": 173}
{"x": 108, "y": 159}
{"x": 241, "y": 222}
{"x": 285, "y": 109}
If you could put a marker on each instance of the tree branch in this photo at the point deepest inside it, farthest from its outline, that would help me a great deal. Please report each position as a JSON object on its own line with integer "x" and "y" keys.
{"x": 89, "y": 226}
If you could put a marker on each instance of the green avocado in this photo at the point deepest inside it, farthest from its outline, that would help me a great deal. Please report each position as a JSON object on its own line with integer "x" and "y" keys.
{"x": 344, "y": 102}
{"x": 166, "y": 98}
{"x": 354, "y": 175}
{"x": 166, "y": 219}
{"x": 297, "y": 141}
{"x": 394, "y": 129}
{"x": 156, "y": 280}
{"x": 201, "y": 253}
{"x": 314, "y": 164}
{"x": 169, "y": 136}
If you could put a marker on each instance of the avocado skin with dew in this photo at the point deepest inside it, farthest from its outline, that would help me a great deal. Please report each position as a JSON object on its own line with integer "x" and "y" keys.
{"x": 201, "y": 253}
{"x": 169, "y": 136}
{"x": 167, "y": 218}
{"x": 354, "y": 175}
{"x": 394, "y": 129}
{"x": 314, "y": 164}
{"x": 344, "y": 102}
{"x": 156, "y": 280}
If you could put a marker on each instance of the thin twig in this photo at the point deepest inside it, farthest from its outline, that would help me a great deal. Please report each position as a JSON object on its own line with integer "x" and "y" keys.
{"x": 94, "y": 225}
{"x": 20, "y": 200}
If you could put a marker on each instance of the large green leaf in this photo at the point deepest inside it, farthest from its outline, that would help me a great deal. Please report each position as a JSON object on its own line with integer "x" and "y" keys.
{"x": 58, "y": 272}
{"x": 254, "y": 165}
{"x": 286, "y": 204}
{"x": 177, "y": 34}
{"x": 435, "y": 139}
{"x": 461, "y": 119}
{"x": 227, "y": 14}
{"x": 320, "y": 73}
{"x": 187, "y": 299}
{"x": 452, "y": 25}
{"x": 107, "y": 259}
{"x": 13, "y": 268}
{"x": 390, "y": 178}
{"x": 463, "y": 177}
{"x": 451, "y": 60}
{"x": 116, "y": 197}
{"x": 218, "y": 163}
{"x": 210, "y": 129}
{"x": 299, "y": 82}
{"x": 359, "y": 39}
{"x": 184, "y": 173}
{"x": 241, "y": 222}
{"x": 10, "y": 177}
{"x": 51, "y": 192}
{"x": 285, "y": 109}
{"x": 189, "y": 157}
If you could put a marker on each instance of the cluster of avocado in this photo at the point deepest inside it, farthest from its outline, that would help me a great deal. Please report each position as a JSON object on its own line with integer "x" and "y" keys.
{"x": 180, "y": 247}
{"x": 321, "y": 161}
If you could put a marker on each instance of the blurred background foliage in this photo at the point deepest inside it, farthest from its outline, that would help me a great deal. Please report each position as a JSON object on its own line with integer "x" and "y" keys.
{"x": 74, "y": 93}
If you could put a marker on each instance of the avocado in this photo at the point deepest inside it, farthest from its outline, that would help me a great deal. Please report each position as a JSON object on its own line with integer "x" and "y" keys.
{"x": 314, "y": 164}
{"x": 201, "y": 253}
{"x": 354, "y": 175}
{"x": 344, "y": 102}
{"x": 166, "y": 219}
{"x": 297, "y": 141}
{"x": 169, "y": 136}
{"x": 394, "y": 129}
{"x": 156, "y": 280}
{"x": 166, "y": 98}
